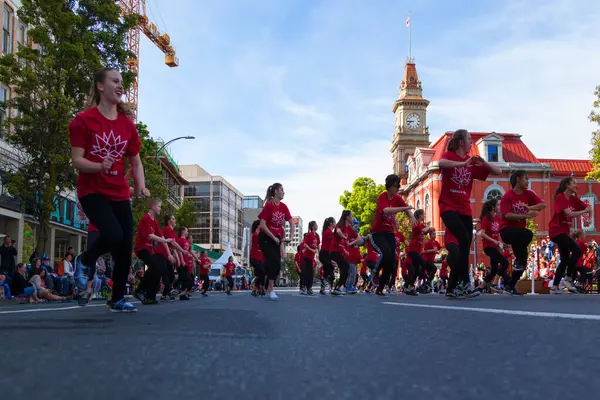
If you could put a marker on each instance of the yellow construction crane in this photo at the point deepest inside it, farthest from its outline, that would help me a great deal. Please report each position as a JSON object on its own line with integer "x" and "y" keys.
{"x": 162, "y": 41}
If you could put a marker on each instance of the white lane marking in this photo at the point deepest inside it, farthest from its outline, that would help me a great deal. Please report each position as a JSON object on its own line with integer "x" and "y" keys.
{"x": 500, "y": 311}
{"x": 34, "y": 310}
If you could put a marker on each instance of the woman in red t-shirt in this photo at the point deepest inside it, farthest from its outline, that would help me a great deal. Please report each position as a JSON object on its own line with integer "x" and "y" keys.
{"x": 338, "y": 251}
{"x": 567, "y": 205}
{"x": 257, "y": 261}
{"x": 490, "y": 237}
{"x": 414, "y": 249}
{"x": 272, "y": 219}
{"x": 518, "y": 205}
{"x": 102, "y": 137}
{"x": 430, "y": 250}
{"x": 324, "y": 258}
{"x": 389, "y": 203}
{"x": 185, "y": 279}
{"x": 311, "y": 247}
{"x": 458, "y": 172}
{"x": 205, "y": 267}
{"x": 229, "y": 268}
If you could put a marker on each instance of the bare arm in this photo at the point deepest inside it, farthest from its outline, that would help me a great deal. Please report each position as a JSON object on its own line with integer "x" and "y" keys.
{"x": 396, "y": 210}
{"x": 570, "y": 213}
{"x": 486, "y": 237}
{"x": 263, "y": 227}
{"x": 519, "y": 217}
{"x": 292, "y": 228}
{"x": 82, "y": 164}
{"x": 494, "y": 169}
{"x": 445, "y": 164}
{"x": 537, "y": 207}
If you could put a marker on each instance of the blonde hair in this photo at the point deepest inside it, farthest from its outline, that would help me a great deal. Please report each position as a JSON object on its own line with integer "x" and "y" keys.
{"x": 94, "y": 95}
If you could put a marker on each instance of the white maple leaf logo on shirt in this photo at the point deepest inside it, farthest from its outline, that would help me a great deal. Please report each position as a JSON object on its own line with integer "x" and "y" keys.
{"x": 389, "y": 217}
{"x": 461, "y": 176}
{"x": 109, "y": 146}
{"x": 519, "y": 208}
{"x": 495, "y": 226}
{"x": 278, "y": 218}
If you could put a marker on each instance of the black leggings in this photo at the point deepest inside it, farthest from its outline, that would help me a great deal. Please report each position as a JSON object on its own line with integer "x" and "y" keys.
{"x": 519, "y": 239}
{"x": 205, "y": 282}
{"x": 307, "y": 273}
{"x": 185, "y": 280}
{"x": 498, "y": 263}
{"x": 151, "y": 280}
{"x": 328, "y": 270}
{"x": 259, "y": 273}
{"x": 114, "y": 221}
{"x": 569, "y": 255}
{"x": 343, "y": 266}
{"x": 415, "y": 268}
{"x": 272, "y": 255}
{"x": 168, "y": 276}
{"x": 386, "y": 243}
{"x": 393, "y": 276}
{"x": 428, "y": 271}
{"x": 229, "y": 283}
{"x": 461, "y": 227}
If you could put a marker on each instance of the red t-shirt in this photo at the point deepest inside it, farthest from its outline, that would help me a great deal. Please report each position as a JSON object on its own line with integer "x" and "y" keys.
{"x": 275, "y": 217}
{"x": 363, "y": 268}
{"x": 255, "y": 253}
{"x": 416, "y": 240}
{"x": 229, "y": 268}
{"x": 457, "y": 183}
{"x": 385, "y": 222}
{"x": 354, "y": 255}
{"x": 444, "y": 269}
{"x": 449, "y": 238}
{"x": 400, "y": 239}
{"x": 187, "y": 258}
{"x": 513, "y": 203}
{"x": 337, "y": 243}
{"x": 327, "y": 236}
{"x": 372, "y": 255}
{"x": 204, "y": 265}
{"x": 147, "y": 226}
{"x": 491, "y": 227}
{"x": 167, "y": 233}
{"x": 92, "y": 228}
{"x": 560, "y": 223}
{"x": 310, "y": 240}
{"x": 102, "y": 138}
{"x": 299, "y": 259}
{"x": 583, "y": 247}
{"x": 429, "y": 245}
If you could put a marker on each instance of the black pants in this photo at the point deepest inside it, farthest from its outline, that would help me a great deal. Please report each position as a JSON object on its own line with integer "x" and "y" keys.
{"x": 461, "y": 227}
{"x": 386, "y": 243}
{"x": 415, "y": 268}
{"x": 259, "y": 273}
{"x": 343, "y": 266}
{"x": 114, "y": 221}
{"x": 229, "y": 283}
{"x": 519, "y": 239}
{"x": 394, "y": 275}
{"x": 328, "y": 270}
{"x": 307, "y": 273}
{"x": 205, "y": 282}
{"x": 428, "y": 271}
{"x": 272, "y": 255}
{"x": 498, "y": 264}
{"x": 185, "y": 281}
{"x": 168, "y": 276}
{"x": 569, "y": 255}
{"x": 151, "y": 280}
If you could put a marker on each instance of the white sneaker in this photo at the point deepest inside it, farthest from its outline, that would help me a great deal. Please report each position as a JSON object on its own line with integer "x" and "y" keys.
{"x": 567, "y": 284}
{"x": 272, "y": 296}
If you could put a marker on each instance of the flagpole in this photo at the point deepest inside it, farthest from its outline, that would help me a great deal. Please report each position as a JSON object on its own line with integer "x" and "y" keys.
{"x": 409, "y": 38}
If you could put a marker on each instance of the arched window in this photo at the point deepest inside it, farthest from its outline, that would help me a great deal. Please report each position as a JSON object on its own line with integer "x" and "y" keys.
{"x": 494, "y": 191}
{"x": 427, "y": 208}
{"x": 418, "y": 204}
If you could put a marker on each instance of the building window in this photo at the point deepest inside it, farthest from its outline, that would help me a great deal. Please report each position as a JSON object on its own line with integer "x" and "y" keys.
{"x": 7, "y": 25}
{"x": 22, "y": 34}
{"x": 418, "y": 204}
{"x": 494, "y": 194}
{"x": 492, "y": 153}
{"x": 3, "y": 111}
{"x": 427, "y": 208}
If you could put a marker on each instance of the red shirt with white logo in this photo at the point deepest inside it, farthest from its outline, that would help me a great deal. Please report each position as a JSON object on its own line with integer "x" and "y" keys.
{"x": 102, "y": 138}
{"x": 385, "y": 222}
{"x": 187, "y": 258}
{"x": 298, "y": 258}
{"x": 311, "y": 240}
{"x": 147, "y": 226}
{"x": 457, "y": 183}
{"x": 431, "y": 244}
{"x": 514, "y": 203}
{"x": 491, "y": 227}
{"x": 354, "y": 256}
{"x": 560, "y": 223}
{"x": 167, "y": 233}
{"x": 337, "y": 243}
{"x": 416, "y": 241}
{"x": 204, "y": 265}
{"x": 327, "y": 236}
{"x": 255, "y": 253}
{"x": 229, "y": 268}
{"x": 372, "y": 255}
{"x": 275, "y": 216}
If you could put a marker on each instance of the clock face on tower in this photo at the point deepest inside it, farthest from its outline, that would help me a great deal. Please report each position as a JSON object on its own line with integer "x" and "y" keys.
{"x": 413, "y": 120}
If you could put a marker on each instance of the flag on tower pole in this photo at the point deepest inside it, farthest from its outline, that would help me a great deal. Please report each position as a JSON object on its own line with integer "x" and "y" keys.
{"x": 408, "y": 21}
{"x": 409, "y": 38}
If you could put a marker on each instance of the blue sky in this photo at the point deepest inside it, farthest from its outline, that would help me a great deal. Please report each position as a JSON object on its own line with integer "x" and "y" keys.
{"x": 301, "y": 92}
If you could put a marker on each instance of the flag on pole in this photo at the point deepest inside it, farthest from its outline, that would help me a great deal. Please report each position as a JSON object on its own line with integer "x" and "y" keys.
{"x": 408, "y": 21}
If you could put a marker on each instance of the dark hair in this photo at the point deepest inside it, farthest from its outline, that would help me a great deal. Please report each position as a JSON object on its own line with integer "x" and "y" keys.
{"x": 298, "y": 249}
{"x": 342, "y": 220}
{"x": 230, "y": 258}
{"x": 562, "y": 186}
{"x": 305, "y": 233}
{"x": 67, "y": 255}
{"x": 271, "y": 191}
{"x": 168, "y": 218}
{"x": 255, "y": 225}
{"x": 577, "y": 234}
{"x": 515, "y": 176}
{"x": 181, "y": 229}
{"x": 487, "y": 208}
{"x": 392, "y": 181}
{"x": 94, "y": 95}
{"x": 454, "y": 143}
{"x": 312, "y": 225}
{"x": 419, "y": 213}
{"x": 328, "y": 221}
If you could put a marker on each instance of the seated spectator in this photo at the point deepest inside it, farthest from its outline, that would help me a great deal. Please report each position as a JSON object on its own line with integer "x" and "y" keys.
{"x": 50, "y": 275}
{"x": 20, "y": 287}
{"x": 4, "y": 288}
{"x": 38, "y": 283}
{"x": 99, "y": 277}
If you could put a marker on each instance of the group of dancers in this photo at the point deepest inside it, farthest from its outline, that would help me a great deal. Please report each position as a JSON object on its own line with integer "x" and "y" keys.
{"x": 104, "y": 137}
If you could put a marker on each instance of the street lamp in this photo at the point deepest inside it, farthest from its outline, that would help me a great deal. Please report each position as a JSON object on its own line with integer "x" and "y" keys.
{"x": 169, "y": 142}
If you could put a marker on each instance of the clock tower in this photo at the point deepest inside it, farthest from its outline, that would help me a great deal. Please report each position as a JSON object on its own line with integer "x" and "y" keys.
{"x": 410, "y": 111}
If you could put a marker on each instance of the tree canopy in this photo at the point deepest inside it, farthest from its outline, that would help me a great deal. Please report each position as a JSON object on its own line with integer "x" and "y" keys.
{"x": 595, "y": 150}
{"x": 362, "y": 201}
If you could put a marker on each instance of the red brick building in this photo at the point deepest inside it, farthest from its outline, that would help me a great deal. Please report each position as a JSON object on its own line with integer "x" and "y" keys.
{"x": 422, "y": 180}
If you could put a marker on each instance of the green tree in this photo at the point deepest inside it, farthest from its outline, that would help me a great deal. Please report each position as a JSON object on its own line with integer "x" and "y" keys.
{"x": 187, "y": 213}
{"x": 533, "y": 227}
{"x": 290, "y": 267}
{"x": 362, "y": 201}
{"x": 50, "y": 83}
{"x": 595, "y": 150}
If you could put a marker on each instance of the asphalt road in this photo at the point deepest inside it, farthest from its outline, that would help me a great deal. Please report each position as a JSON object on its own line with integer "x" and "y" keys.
{"x": 353, "y": 347}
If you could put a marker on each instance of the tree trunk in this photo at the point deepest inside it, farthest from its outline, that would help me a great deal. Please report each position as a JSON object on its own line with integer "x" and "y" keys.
{"x": 46, "y": 209}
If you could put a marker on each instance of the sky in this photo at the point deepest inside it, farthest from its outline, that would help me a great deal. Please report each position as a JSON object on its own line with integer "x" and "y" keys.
{"x": 301, "y": 92}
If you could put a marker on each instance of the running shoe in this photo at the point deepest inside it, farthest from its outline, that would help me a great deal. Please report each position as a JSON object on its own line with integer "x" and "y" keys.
{"x": 411, "y": 291}
{"x": 184, "y": 297}
{"x": 381, "y": 295}
{"x": 310, "y": 292}
{"x": 497, "y": 289}
{"x": 123, "y": 306}
{"x": 79, "y": 276}
{"x": 512, "y": 291}
{"x": 352, "y": 290}
{"x": 556, "y": 291}
{"x": 203, "y": 294}
{"x": 138, "y": 294}
{"x": 303, "y": 291}
{"x": 322, "y": 291}
{"x": 469, "y": 291}
{"x": 272, "y": 296}
{"x": 457, "y": 293}
{"x": 84, "y": 298}
{"x": 568, "y": 285}
{"x": 337, "y": 292}
{"x": 253, "y": 293}
{"x": 149, "y": 302}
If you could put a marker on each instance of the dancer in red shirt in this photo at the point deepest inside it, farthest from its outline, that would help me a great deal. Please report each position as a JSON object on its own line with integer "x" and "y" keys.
{"x": 298, "y": 265}
{"x": 430, "y": 250}
{"x": 272, "y": 218}
{"x": 352, "y": 255}
{"x": 257, "y": 261}
{"x": 518, "y": 205}
{"x": 492, "y": 245}
{"x": 415, "y": 247}
{"x": 567, "y": 205}
{"x": 183, "y": 273}
{"x": 338, "y": 251}
{"x": 102, "y": 137}
{"x": 458, "y": 172}
{"x": 168, "y": 256}
{"x": 205, "y": 266}
{"x": 311, "y": 247}
{"x": 400, "y": 241}
{"x": 229, "y": 268}
{"x": 324, "y": 258}
{"x": 389, "y": 203}
{"x": 444, "y": 274}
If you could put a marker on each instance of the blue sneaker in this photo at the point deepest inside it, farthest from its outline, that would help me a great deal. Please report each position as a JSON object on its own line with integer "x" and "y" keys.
{"x": 123, "y": 306}
{"x": 79, "y": 276}
{"x": 352, "y": 290}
